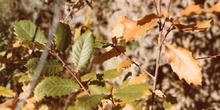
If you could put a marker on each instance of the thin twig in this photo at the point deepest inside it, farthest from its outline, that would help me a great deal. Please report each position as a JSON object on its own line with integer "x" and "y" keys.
{"x": 142, "y": 69}
{"x": 71, "y": 72}
{"x": 208, "y": 57}
{"x": 160, "y": 5}
{"x": 157, "y": 69}
{"x": 155, "y": 5}
{"x": 43, "y": 58}
{"x": 169, "y": 5}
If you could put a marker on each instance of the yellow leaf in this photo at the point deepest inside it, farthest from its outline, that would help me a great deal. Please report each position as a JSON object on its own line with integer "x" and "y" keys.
{"x": 6, "y": 92}
{"x": 77, "y": 32}
{"x": 194, "y": 27}
{"x": 134, "y": 29}
{"x": 124, "y": 64}
{"x": 141, "y": 78}
{"x": 183, "y": 63}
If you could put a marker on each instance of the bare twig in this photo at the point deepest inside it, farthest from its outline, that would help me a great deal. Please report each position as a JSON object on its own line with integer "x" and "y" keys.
{"x": 43, "y": 58}
{"x": 169, "y": 5}
{"x": 155, "y": 5}
{"x": 54, "y": 53}
{"x": 142, "y": 69}
{"x": 157, "y": 68}
{"x": 208, "y": 57}
{"x": 160, "y": 6}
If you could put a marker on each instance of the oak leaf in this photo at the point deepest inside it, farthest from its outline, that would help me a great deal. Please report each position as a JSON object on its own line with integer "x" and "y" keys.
{"x": 114, "y": 52}
{"x": 134, "y": 29}
{"x": 124, "y": 64}
{"x": 131, "y": 29}
{"x": 196, "y": 10}
{"x": 183, "y": 64}
{"x": 193, "y": 27}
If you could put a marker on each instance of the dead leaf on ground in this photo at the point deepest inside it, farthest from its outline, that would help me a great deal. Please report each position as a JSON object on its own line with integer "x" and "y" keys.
{"x": 193, "y": 27}
{"x": 183, "y": 64}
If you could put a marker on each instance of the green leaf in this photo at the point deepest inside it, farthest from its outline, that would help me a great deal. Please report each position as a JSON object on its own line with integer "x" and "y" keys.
{"x": 26, "y": 30}
{"x": 95, "y": 89}
{"x": 82, "y": 49}
{"x": 99, "y": 43}
{"x": 111, "y": 74}
{"x": 88, "y": 77}
{"x": 62, "y": 36}
{"x": 6, "y": 92}
{"x": 167, "y": 105}
{"x": 55, "y": 86}
{"x": 88, "y": 102}
{"x": 51, "y": 67}
{"x": 131, "y": 93}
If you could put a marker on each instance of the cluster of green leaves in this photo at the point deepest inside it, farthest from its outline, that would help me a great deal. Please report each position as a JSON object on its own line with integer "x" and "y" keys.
{"x": 52, "y": 85}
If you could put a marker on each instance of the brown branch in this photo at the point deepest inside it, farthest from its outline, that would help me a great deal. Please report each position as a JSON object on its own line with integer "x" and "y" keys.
{"x": 160, "y": 5}
{"x": 208, "y": 57}
{"x": 155, "y": 5}
{"x": 169, "y": 5}
{"x": 56, "y": 54}
{"x": 142, "y": 69}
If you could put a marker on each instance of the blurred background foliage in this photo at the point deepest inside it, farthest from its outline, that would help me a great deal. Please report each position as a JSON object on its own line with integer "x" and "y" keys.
{"x": 102, "y": 18}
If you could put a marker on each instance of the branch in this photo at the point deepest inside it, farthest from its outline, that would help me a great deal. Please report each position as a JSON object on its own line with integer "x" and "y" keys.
{"x": 43, "y": 58}
{"x": 142, "y": 69}
{"x": 169, "y": 5}
{"x": 56, "y": 54}
{"x": 208, "y": 57}
{"x": 155, "y": 5}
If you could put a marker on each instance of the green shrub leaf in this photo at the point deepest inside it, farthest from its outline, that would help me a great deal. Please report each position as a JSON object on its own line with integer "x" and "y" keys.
{"x": 111, "y": 74}
{"x": 88, "y": 102}
{"x": 51, "y": 67}
{"x": 26, "y": 30}
{"x": 131, "y": 93}
{"x": 88, "y": 77}
{"x": 62, "y": 36}
{"x": 6, "y": 92}
{"x": 55, "y": 86}
{"x": 95, "y": 89}
{"x": 82, "y": 49}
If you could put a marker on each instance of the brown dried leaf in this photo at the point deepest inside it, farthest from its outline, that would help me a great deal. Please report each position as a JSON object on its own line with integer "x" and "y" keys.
{"x": 215, "y": 9}
{"x": 183, "y": 64}
{"x": 118, "y": 28}
{"x": 7, "y": 105}
{"x": 193, "y": 27}
{"x": 109, "y": 54}
{"x": 191, "y": 10}
{"x": 124, "y": 64}
{"x": 134, "y": 29}
{"x": 196, "y": 10}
